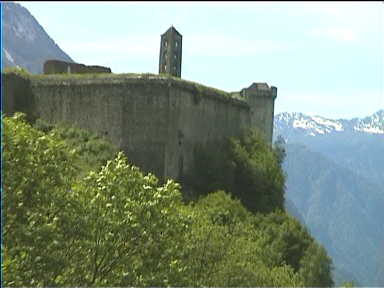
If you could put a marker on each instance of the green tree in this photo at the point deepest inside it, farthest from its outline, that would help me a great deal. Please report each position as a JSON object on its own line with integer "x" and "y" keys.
{"x": 224, "y": 249}
{"x": 296, "y": 248}
{"x": 258, "y": 177}
{"x": 113, "y": 227}
{"x": 90, "y": 150}
{"x": 37, "y": 212}
{"x": 131, "y": 227}
{"x": 245, "y": 166}
{"x": 286, "y": 235}
{"x": 316, "y": 267}
{"x": 280, "y": 150}
{"x": 68, "y": 225}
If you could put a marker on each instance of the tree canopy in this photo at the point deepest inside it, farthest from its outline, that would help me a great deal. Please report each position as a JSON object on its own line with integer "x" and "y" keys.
{"x": 74, "y": 218}
{"x": 244, "y": 166}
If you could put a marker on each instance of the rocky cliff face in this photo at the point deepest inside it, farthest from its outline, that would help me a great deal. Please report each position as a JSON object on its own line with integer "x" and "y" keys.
{"x": 25, "y": 42}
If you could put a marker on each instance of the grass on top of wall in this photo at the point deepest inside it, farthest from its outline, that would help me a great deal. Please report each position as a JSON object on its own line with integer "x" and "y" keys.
{"x": 202, "y": 89}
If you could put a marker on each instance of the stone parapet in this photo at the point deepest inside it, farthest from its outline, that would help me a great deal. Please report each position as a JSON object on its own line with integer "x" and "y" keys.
{"x": 57, "y": 67}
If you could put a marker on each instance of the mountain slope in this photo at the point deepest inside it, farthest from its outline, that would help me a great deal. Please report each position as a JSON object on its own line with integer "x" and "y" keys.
{"x": 342, "y": 210}
{"x": 293, "y": 125}
{"x": 25, "y": 42}
{"x": 335, "y": 181}
{"x": 357, "y": 144}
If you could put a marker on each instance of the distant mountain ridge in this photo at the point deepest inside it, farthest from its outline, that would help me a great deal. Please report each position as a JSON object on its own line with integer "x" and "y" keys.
{"x": 335, "y": 167}
{"x": 356, "y": 144}
{"x": 25, "y": 42}
{"x": 306, "y": 125}
{"x": 335, "y": 180}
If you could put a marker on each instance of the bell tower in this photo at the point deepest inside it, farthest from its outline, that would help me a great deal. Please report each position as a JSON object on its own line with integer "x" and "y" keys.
{"x": 170, "y": 52}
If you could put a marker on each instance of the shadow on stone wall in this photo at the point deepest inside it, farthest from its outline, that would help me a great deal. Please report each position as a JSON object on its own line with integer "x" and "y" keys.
{"x": 17, "y": 95}
{"x": 57, "y": 66}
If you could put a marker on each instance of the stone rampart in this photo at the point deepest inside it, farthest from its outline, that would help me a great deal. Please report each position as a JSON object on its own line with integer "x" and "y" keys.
{"x": 58, "y": 67}
{"x": 157, "y": 121}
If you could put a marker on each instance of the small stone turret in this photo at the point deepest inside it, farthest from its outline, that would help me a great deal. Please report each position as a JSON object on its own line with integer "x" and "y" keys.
{"x": 170, "y": 52}
{"x": 261, "y": 99}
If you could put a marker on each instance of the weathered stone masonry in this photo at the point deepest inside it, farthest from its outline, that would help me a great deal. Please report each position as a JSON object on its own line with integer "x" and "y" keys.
{"x": 157, "y": 120}
{"x": 59, "y": 67}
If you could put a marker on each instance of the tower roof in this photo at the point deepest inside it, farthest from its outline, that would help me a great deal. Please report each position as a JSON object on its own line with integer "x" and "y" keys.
{"x": 259, "y": 86}
{"x": 172, "y": 30}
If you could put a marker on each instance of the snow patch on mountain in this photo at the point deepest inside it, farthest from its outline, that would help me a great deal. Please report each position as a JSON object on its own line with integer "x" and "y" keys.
{"x": 8, "y": 56}
{"x": 329, "y": 123}
{"x": 310, "y": 125}
{"x": 373, "y": 124}
{"x": 373, "y": 130}
{"x": 294, "y": 123}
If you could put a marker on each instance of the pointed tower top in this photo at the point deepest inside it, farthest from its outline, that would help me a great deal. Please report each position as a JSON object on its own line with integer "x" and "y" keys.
{"x": 172, "y": 30}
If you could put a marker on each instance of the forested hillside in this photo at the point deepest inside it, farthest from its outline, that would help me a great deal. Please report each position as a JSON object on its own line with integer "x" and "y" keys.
{"x": 335, "y": 180}
{"x": 341, "y": 209}
{"x": 76, "y": 213}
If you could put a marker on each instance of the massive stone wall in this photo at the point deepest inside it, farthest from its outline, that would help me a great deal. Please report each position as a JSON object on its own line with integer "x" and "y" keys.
{"x": 129, "y": 112}
{"x": 59, "y": 67}
{"x": 17, "y": 94}
{"x": 199, "y": 120}
{"x": 156, "y": 120}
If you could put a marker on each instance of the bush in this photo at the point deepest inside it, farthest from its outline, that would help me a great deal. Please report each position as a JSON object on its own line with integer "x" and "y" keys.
{"x": 91, "y": 150}
{"x": 246, "y": 167}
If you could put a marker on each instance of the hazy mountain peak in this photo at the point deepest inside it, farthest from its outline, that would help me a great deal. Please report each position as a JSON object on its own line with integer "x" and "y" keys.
{"x": 25, "y": 42}
{"x": 335, "y": 186}
{"x": 21, "y": 23}
{"x": 372, "y": 124}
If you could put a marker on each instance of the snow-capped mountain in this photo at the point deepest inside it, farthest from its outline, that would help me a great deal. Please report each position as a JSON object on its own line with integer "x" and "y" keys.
{"x": 335, "y": 180}
{"x": 298, "y": 124}
{"x": 25, "y": 42}
{"x": 373, "y": 124}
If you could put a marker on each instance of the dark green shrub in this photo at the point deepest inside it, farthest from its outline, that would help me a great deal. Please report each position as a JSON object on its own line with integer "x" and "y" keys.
{"x": 247, "y": 167}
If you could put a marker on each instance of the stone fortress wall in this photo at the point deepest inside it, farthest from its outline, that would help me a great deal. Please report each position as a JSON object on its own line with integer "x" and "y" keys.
{"x": 58, "y": 66}
{"x": 157, "y": 120}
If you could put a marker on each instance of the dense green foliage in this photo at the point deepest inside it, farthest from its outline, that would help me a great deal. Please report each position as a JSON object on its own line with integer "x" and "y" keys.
{"x": 17, "y": 70}
{"x": 246, "y": 167}
{"x": 225, "y": 249}
{"x": 72, "y": 219}
{"x": 90, "y": 151}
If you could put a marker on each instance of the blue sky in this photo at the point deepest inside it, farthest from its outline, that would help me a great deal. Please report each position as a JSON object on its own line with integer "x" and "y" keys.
{"x": 325, "y": 58}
